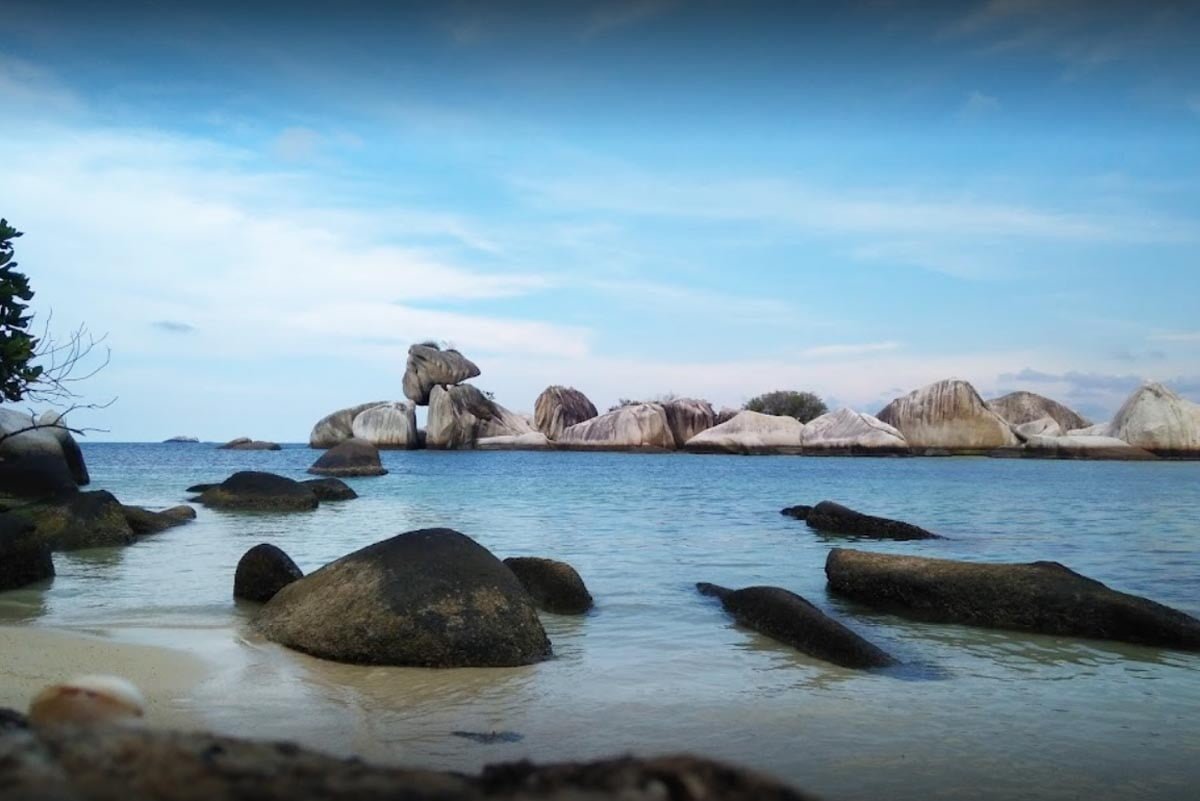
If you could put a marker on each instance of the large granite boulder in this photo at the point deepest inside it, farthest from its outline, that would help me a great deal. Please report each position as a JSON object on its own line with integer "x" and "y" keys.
{"x": 948, "y": 417}
{"x": 1040, "y": 596}
{"x": 834, "y": 518}
{"x": 687, "y": 417}
{"x": 1158, "y": 420}
{"x": 1041, "y": 427}
{"x": 32, "y": 463}
{"x": 554, "y": 586}
{"x": 262, "y": 572}
{"x": 430, "y": 366}
{"x": 82, "y": 520}
{"x": 533, "y": 441}
{"x": 1019, "y": 408}
{"x": 849, "y": 433}
{"x": 638, "y": 427}
{"x": 792, "y": 620}
{"x": 388, "y": 425}
{"x": 24, "y": 556}
{"x": 255, "y": 491}
{"x": 338, "y": 426}
{"x": 461, "y": 415}
{"x": 133, "y": 763}
{"x": 751, "y": 433}
{"x": 558, "y": 408}
{"x": 247, "y": 444}
{"x": 71, "y": 451}
{"x": 1083, "y": 447}
{"x": 432, "y": 598}
{"x": 354, "y": 457}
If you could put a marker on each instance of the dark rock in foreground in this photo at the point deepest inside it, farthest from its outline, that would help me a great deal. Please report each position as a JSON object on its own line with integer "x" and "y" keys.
{"x": 330, "y": 489}
{"x": 1041, "y": 597}
{"x": 837, "y": 519}
{"x": 252, "y": 490}
{"x": 431, "y": 598}
{"x": 354, "y": 457}
{"x": 83, "y": 520}
{"x": 24, "y": 557}
{"x": 144, "y": 521}
{"x": 555, "y": 586}
{"x": 133, "y": 764}
{"x": 262, "y": 572}
{"x": 789, "y": 618}
{"x": 247, "y": 444}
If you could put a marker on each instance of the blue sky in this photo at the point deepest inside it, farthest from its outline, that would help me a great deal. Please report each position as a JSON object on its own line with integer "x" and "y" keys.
{"x": 263, "y": 207}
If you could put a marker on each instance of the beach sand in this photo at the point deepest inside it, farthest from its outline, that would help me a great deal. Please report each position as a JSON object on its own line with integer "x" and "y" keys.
{"x": 32, "y": 658}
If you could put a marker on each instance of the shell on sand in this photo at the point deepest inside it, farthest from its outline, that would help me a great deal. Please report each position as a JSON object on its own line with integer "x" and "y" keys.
{"x": 87, "y": 700}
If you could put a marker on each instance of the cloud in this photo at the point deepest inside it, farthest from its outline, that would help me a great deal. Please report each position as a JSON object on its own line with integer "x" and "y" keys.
{"x": 30, "y": 88}
{"x": 978, "y": 105}
{"x": 173, "y": 326}
{"x": 610, "y": 16}
{"x": 297, "y": 144}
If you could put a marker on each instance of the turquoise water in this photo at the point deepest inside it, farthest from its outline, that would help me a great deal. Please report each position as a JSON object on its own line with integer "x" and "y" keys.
{"x": 657, "y": 668}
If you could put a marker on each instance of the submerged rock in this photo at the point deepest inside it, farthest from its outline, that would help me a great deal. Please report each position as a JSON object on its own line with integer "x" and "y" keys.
{"x": 751, "y": 433}
{"x": 837, "y": 519}
{"x": 388, "y": 425}
{"x": 24, "y": 556}
{"x": 687, "y": 417}
{"x": 337, "y": 426}
{"x": 1019, "y": 408}
{"x": 252, "y": 490}
{"x": 430, "y": 366}
{"x": 1158, "y": 420}
{"x": 330, "y": 489}
{"x": 948, "y": 417}
{"x": 792, "y": 620}
{"x": 798, "y": 512}
{"x": 1041, "y": 597}
{"x": 144, "y": 521}
{"x": 354, "y": 457}
{"x": 432, "y": 598}
{"x": 638, "y": 427}
{"x": 849, "y": 433}
{"x": 262, "y": 572}
{"x": 247, "y": 444}
{"x": 554, "y": 586}
{"x": 558, "y": 408}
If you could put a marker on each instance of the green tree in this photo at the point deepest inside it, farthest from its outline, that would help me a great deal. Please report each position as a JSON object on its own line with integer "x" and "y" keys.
{"x": 804, "y": 406}
{"x": 18, "y": 348}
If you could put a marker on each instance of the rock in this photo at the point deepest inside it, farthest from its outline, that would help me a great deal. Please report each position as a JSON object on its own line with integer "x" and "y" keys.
{"x": 1040, "y": 597}
{"x": 639, "y": 427}
{"x": 792, "y": 620}
{"x": 252, "y": 490}
{"x": 432, "y": 598}
{"x": 687, "y": 417}
{"x": 84, "y": 520}
{"x": 24, "y": 556}
{"x": 726, "y": 414}
{"x": 948, "y": 417}
{"x": 555, "y": 586}
{"x": 32, "y": 463}
{"x": 330, "y": 489}
{"x": 849, "y": 433}
{"x": 533, "y": 441}
{"x": 182, "y": 513}
{"x": 1083, "y": 447}
{"x": 837, "y": 519}
{"x": 751, "y": 433}
{"x": 429, "y": 366}
{"x": 201, "y": 487}
{"x": 11, "y": 719}
{"x": 70, "y": 448}
{"x": 262, "y": 572}
{"x": 338, "y": 426}
{"x": 1019, "y": 408}
{"x": 182, "y": 439}
{"x": 1157, "y": 420}
{"x": 388, "y": 425}
{"x": 1042, "y": 427}
{"x": 247, "y": 444}
{"x": 143, "y": 521}
{"x": 558, "y": 408}
{"x": 460, "y": 415}
{"x": 354, "y": 457}
{"x": 798, "y": 512}
{"x": 90, "y": 763}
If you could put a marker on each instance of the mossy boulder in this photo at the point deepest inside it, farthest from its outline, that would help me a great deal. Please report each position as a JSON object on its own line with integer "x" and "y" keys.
{"x": 554, "y": 586}
{"x": 252, "y": 490}
{"x": 262, "y": 572}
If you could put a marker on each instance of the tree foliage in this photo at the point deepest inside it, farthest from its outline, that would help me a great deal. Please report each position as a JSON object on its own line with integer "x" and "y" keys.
{"x": 18, "y": 348}
{"x": 804, "y": 406}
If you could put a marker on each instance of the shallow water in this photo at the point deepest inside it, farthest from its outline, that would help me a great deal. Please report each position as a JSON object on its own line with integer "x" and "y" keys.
{"x": 656, "y": 667}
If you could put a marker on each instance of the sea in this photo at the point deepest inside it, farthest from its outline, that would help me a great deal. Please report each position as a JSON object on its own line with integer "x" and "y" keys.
{"x": 657, "y": 668}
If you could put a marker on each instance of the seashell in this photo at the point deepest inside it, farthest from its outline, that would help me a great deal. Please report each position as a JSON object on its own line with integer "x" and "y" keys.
{"x": 87, "y": 700}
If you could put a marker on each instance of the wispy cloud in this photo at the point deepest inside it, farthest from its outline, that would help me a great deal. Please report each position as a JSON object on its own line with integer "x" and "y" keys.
{"x": 612, "y": 16}
{"x": 978, "y": 105}
{"x": 173, "y": 326}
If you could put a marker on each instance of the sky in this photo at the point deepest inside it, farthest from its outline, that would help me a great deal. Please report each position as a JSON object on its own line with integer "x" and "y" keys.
{"x": 262, "y": 205}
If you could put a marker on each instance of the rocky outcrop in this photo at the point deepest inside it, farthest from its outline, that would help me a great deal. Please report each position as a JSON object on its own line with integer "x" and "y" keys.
{"x": 751, "y": 433}
{"x": 558, "y": 408}
{"x": 1042, "y": 427}
{"x": 533, "y": 441}
{"x": 837, "y": 519}
{"x": 182, "y": 439}
{"x": 554, "y": 586}
{"x": 82, "y": 520}
{"x": 726, "y": 414}
{"x": 73, "y": 455}
{"x": 638, "y": 427}
{"x": 338, "y": 426}
{"x": 687, "y": 417}
{"x": 144, "y": 522}
{"x": 948, "y": 417}
{"x": 1083, "y": 447}
{"x": 388, "y": 425}
{"x": 247, "y": 444}
{"x": 130, "y": 763}
{"x": 849, "y": 433}
{"x": 1158, "y": 420}
{"x": 1019, "y": 408}
{"x": 432, "y": 598}
{"x": 430, "y": 366}
{"x": 255, "y": 491}
{"x": 32, "y": 463}
{"x": 24, "y": 556}
{"x": 330, "y": 489}
{"x": 1040, "y": 597}
{"x": 262, "y": 572}
{"x": 461, "y": 415}
{"x": 792, "y": 620}
{"x": 354, "y": 457}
